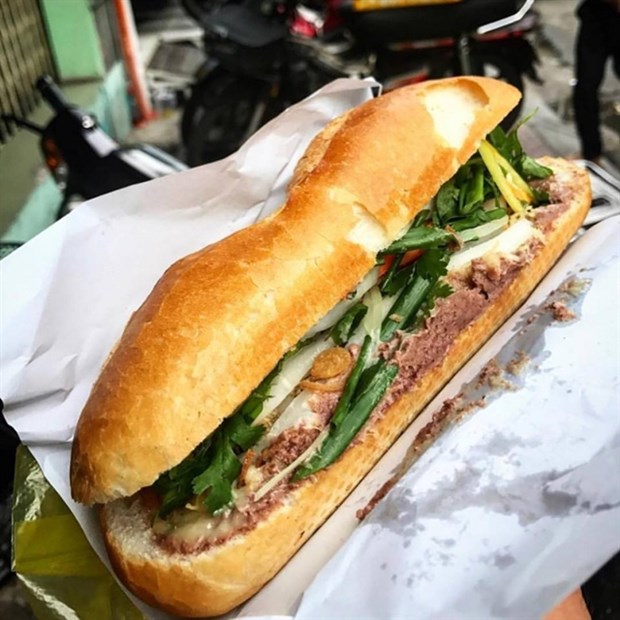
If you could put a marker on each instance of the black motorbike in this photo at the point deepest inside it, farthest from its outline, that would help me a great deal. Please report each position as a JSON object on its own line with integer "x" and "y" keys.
{"x": 264, "y": 56}
{"x": 83, "y": 159}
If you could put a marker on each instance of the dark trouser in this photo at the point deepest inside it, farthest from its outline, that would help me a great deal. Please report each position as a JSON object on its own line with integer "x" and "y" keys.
{"x": 598, "y": 39}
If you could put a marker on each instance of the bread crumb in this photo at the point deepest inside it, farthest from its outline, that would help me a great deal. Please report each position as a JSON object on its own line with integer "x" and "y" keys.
{"x": 492, "y": 375}
{"x": 560, "y": 311}
{"x": 489, "y": 373}
{"x": 575, "y": 286}
{"x": 518, "y": 363}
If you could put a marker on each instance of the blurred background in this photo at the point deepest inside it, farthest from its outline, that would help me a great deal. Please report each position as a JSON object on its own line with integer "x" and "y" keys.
{"x": 195, "y": 78}
{"x": 138, "y": 89}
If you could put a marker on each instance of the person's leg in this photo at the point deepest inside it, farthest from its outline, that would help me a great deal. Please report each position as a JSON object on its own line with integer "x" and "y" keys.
{"x": 590, "y": 69}
{"x": 612, "y": 36}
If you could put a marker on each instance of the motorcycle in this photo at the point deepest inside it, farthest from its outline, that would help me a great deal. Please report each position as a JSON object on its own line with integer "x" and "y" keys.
{"x": 85, "y": 161}
{"x": 264, "y": 57}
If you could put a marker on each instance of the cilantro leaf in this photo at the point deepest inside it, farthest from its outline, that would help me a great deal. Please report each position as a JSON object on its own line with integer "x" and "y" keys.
{"x": 236, "y": 434}
{"x": 508, "y": 144}
{"x": 175, "y": 485}
{"x": 220, "y": 475}
{"x": 253, "y": 405}
{"x": 432, "y": 264}
{"x": 214, "y": 464}
{"x": 242, "y": 434}
{"x": 530, "y": 169}
{"x": 447, "y": 201}
{"x": 191, "y": 463}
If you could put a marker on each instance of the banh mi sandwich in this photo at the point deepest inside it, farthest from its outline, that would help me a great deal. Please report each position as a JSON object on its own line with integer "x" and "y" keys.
{"x": 266, "y": 374}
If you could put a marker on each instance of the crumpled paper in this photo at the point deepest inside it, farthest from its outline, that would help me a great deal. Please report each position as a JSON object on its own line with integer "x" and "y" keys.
{"x": 74, "y": 287}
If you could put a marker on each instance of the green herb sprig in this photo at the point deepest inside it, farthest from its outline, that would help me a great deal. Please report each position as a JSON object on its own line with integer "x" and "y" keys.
{"x": 349, "y": 424}
{"x": 214, "y": 465}
{"x": 431, "y": 266}
{"x": 348, "y": 323}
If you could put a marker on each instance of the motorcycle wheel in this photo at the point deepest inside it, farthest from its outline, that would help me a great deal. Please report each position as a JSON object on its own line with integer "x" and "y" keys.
{"x": 217, "y": 116}
{"x": 500, "y": 68}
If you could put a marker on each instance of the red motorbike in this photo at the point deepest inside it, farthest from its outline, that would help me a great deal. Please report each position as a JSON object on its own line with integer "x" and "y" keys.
{"x": 264, "y": 56}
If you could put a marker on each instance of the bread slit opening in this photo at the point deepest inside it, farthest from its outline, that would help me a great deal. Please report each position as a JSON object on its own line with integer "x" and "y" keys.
{"x": 429, "y": 284}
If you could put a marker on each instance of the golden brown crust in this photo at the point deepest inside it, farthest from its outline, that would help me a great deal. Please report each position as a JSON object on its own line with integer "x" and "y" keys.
{"x": 217, "y": 580}
{"x": 219, "y": 320}
{"x": 200, "y": 343}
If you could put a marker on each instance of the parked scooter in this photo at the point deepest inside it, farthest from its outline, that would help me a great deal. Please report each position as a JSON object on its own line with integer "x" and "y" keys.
{"x": 264, "y": 56}
{"x": 84, "y": 160}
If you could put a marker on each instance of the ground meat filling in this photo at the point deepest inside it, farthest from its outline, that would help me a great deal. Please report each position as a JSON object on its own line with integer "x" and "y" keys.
{"x": 415, "y": 354}
{"x": 561, "y": 193}
{"x": 324, "y": 405}
{"x": 285, "y": 449}
{"x": 489, "y": 279}
{"x": 196, "y": 532}
{"x": 544, "y": 217}
{"x": 423, "y": 350}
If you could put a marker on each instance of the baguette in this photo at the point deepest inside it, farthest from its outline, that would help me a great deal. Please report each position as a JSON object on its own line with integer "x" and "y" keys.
{"x": 182, "y": 367}
{"x": 355, "y": 190}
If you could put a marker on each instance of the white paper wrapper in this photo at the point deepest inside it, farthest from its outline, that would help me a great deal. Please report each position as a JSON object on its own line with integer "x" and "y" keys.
{"x": 519, "y": 504}
{"x": 68, "y": 294}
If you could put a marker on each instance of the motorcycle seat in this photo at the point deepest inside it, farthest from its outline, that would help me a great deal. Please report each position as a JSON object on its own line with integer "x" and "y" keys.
{"x": 418, "y": 23}
{"x": 244, "y": 24}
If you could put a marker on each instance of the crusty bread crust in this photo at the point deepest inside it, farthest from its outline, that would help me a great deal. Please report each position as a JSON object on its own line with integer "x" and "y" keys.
{"x": 212, "y": 582}
{"x": 219, "y": 320}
